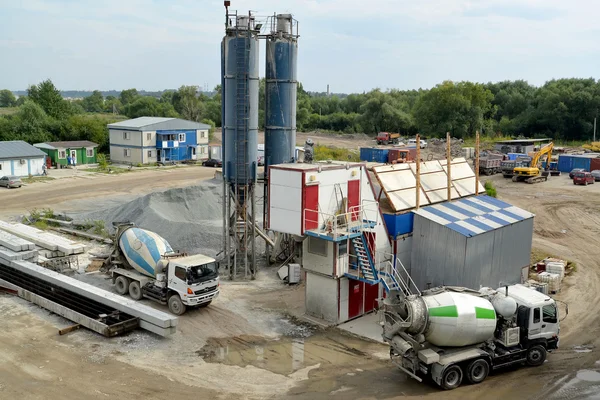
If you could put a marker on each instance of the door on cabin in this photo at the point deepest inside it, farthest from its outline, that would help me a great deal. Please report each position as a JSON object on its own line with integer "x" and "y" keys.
{"x": 354, "y": 198}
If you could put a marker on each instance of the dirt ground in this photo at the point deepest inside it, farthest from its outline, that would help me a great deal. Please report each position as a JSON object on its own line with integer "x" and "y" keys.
{"x": 353, "y": 141}
{"x": 249, "y": 345}
{"x": 74, "y": 190}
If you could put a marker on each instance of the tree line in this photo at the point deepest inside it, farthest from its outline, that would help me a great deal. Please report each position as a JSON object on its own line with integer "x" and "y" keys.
{"x": 562, "y": 109}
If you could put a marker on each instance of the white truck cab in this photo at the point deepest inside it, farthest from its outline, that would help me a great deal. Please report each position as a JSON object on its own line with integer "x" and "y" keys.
{"x": 537, "y": 314}
{"x": 195, "y": 278}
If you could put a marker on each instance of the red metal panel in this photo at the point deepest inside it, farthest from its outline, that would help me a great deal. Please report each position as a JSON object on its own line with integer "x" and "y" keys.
{"x": 594, "y": 164}
{"x": 355, "y": 298}
{"x": 354, "y": 197}
{"x": 371, "y": 293}
{"x": 310, "y": 201}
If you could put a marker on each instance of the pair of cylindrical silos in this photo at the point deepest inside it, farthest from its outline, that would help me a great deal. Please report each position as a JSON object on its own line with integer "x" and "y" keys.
{"x": 240, "y": 96}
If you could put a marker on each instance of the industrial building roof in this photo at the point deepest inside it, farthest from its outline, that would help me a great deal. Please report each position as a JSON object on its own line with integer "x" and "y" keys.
{"x": 474, "y": 215}
{"x": 157, "y": 123}
{"x": 517, "y": 141}
{"x": 18, "y": 149}
{"x": 399, "y": 183}
{"x": 73, "y": 144}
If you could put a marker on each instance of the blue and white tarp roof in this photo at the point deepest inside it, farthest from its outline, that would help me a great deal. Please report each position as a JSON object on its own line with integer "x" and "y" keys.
{"x": 472, "y": 216}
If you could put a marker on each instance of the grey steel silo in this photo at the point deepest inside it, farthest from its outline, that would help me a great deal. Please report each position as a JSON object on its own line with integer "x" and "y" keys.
{"x": 281, "y": 91}
{"x": 240, "y": 94}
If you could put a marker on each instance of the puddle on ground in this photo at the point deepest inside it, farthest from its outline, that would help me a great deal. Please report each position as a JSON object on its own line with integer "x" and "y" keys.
{"x": 583, "y": 349}
{"x": 588, "y": 375}
{"x": 288, "y": 355}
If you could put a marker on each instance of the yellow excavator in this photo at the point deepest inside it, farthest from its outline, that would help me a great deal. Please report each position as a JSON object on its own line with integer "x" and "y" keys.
{"x": 533, "y": 174}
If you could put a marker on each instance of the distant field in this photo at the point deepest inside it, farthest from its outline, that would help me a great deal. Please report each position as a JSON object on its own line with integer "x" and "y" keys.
{"x": 8, "y": 110}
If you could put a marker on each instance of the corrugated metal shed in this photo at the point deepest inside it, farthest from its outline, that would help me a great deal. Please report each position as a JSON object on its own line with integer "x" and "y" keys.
{"x": 17, "y": 149}
{"x": 471, "y": 242}
{"x": 157, "y": 123}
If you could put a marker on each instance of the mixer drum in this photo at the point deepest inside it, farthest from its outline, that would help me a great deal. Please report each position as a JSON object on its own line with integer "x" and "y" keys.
{"x": 458, "y": 319}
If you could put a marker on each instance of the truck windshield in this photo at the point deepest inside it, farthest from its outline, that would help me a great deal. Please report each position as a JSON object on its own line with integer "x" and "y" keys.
{"x": 201, "y": 273}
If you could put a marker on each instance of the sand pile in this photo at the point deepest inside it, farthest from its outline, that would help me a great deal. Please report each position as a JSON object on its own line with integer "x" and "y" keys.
{"x": 189, "y": 218}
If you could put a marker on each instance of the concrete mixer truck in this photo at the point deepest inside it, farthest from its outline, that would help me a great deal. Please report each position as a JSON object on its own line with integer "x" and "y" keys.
{"x": 455, "y": 334}
{"x": 144, "y": 265}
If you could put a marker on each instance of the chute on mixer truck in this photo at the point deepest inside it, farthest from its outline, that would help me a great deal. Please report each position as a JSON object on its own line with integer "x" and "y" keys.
{"x": 143, "y": 265}
{"x": 456, "y": 334}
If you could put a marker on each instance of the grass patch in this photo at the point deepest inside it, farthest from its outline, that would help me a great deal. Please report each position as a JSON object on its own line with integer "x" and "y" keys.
{"x": 323, "y": 153}
{"x": 110, "y": 170}
{"x": 490, "y": 189}
{"x": 34, "y": 179}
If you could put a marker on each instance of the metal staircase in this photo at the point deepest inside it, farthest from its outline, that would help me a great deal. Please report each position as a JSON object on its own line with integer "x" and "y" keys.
{"x": 395, "y": 277}
{"x": 364, "y": 259}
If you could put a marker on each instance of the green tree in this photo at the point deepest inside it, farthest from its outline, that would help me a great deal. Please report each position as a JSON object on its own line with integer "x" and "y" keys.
{"x": 112, "y": 105}
{"x": 94, "y": 102}
{"x": 7, "y": 98}
{"x": 146, "y": 106}
{"x": 188, "y": 104}
{"x": 49, "y": 98}
{"x": 128, "y": 96}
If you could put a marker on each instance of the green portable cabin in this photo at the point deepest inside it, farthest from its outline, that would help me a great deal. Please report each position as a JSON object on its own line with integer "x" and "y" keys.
{"x": 85, "y": 152}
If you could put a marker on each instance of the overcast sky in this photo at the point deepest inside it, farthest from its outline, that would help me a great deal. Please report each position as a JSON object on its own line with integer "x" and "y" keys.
{"x": 353, "y": 45}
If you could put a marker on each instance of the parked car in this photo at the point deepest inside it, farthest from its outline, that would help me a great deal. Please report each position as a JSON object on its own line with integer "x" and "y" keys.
{"x": 211, "y": 162}
{"x": 596, "y": 174}
{"x": 11, "y": 181}
{"x": 413, "y": 142}
{"x": 583, "y": 178}
{"x": 574, "y": 171}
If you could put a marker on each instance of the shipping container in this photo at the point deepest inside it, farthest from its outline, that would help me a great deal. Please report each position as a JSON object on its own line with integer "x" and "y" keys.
{"x": 582, "y": 162}
{"x": 374, "y": 154}
{"x": 565, "y": 163}
{"x": 595, "y": 164}
{"x": 400, "y": 155}
{"x": 513, "y": 156}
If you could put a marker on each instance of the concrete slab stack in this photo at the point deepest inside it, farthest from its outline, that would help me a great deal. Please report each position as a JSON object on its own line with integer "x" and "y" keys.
{"x": 15, "y": 243}
{"x": 155, "y": 321}
{"x": 46, "y": 240}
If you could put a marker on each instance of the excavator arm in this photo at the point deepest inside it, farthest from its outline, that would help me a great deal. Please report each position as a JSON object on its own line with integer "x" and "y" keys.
{"x": 544, "y": 151}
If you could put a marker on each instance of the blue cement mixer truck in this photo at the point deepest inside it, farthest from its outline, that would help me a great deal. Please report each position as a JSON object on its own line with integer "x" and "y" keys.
{"x": 144, "y": 265}
{"x": 452, "y": 334}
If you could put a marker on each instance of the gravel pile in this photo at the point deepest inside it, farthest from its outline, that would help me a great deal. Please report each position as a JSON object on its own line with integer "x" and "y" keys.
{"x": 188, "y": 218}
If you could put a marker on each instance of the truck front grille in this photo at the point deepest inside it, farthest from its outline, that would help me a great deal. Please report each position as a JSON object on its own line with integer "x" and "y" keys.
{"x": 206, "y": 290}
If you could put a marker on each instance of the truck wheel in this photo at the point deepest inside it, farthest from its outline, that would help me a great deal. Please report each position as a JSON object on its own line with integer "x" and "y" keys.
{"x": 477, "y": 371}
{"x": 135, "y": 291}
{"x": 176, "y": 306}
{"x": 122, "y": 285}
{"x": 452, "y": 377}
{"x": 536, "y": 355}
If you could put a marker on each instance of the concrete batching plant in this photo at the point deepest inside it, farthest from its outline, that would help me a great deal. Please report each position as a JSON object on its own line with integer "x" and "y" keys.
{"x": 240, "y": 104}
